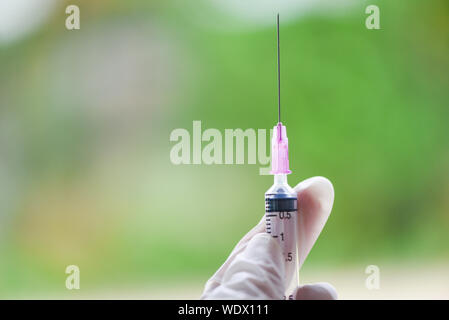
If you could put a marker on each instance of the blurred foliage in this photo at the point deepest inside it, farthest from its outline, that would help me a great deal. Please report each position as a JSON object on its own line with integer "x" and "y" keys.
{"x": 85, "y": 166}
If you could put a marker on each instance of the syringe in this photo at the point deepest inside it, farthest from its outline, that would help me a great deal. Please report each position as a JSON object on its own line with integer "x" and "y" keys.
{"x": 281, "y": 207}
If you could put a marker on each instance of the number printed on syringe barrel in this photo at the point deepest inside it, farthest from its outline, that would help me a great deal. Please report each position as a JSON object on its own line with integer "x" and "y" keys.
{"x": 281, "y": 210}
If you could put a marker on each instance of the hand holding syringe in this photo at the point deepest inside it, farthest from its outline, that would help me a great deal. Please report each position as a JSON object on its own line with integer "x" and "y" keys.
{"x": 256, "y": 267}
{"x": 266, "y": 262}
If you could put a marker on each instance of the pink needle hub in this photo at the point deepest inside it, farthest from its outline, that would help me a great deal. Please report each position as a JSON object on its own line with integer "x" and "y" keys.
{"x": 279, "y": 150}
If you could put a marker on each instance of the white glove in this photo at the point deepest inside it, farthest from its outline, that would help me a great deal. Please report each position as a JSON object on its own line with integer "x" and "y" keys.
{"x": 255, "y": 268}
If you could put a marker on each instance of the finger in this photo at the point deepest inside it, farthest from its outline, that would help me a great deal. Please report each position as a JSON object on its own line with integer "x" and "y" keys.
{"x": 217, "y": 278}
{"x": 255, "y": 273}
{"x": 315, "y": 200}
{"x": 316, "y": 291}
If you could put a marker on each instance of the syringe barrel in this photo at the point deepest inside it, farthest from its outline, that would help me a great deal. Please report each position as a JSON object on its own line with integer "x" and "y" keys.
{"x": 281, "y": 210}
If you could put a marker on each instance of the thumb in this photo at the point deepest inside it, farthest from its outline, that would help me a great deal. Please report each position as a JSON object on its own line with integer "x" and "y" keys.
{"x": 256, "y": 273}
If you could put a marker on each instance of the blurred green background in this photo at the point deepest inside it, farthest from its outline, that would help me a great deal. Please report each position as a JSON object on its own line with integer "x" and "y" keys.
{"x": 86, "y": 115}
